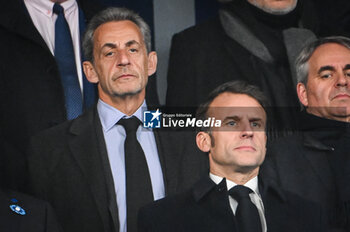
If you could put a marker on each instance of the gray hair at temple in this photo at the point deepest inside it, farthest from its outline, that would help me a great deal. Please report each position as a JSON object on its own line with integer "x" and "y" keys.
{"x": 301, "y": 64}
{"x": 113, "y": 14}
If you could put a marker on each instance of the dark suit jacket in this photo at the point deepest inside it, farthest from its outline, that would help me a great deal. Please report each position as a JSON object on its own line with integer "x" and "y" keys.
{"x": 206, "y": 208}
{"x": 302, "y": 165}
{"x": 30, "y": 85}
{"x": 39, "y": 215}
{"x": 206, "y": 55}
{"x": 69, "y": 168}
{"x": 303, "y": 168}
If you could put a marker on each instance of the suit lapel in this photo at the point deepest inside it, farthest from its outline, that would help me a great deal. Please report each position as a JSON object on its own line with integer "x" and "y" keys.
{"x": 85, "y": 148}
{"x": 168, "y": 161}
{"x": 112, "y": 201}
{"x": 274, "y": 199}
{"x": 213, "y": 204}
{"x": 19, "y": 22}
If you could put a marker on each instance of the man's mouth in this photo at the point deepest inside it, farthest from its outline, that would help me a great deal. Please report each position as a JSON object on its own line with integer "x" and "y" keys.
{"x": 245, "y": 148}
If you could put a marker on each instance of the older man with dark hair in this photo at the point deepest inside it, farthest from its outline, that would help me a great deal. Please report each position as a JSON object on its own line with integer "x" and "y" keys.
{"x": 315, "y": 162}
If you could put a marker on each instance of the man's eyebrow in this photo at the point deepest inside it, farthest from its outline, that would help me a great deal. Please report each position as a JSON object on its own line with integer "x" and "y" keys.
{"x": 233, "y": 117}
{"x": 326, "y": 68}
{"x": 109, "y": 45}
{"x": 347, "y": 66}
{"x": 131, "y": 42}
{"x": 255, "y": 119}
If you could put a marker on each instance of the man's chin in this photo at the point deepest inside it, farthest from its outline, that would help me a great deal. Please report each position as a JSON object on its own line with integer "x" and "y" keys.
{"x": 128, "y": 93}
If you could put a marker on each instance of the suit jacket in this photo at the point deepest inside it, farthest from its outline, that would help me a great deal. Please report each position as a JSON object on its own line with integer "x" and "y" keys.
{"x": 303, "y": 168}
{"x": 206, "y": 208}
{"x": 69, "y": 167}
{"x": 30, "y": 85}
{"x": 39, "y": 216}
{"x": 302, "y": 165}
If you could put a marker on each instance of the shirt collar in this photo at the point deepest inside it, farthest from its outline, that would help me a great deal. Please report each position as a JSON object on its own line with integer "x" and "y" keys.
{"x": 45, "y": 7}
{"x": 252, "y": 183}
{"x": 110, "y": 115}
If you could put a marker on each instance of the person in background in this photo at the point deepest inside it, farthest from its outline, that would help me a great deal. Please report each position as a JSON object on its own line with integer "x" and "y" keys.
{"x": 23, "y": 213}
{"x": 42, "y": 82}
{"x": 315, "y": 162}
{"x": 251, "y": 40}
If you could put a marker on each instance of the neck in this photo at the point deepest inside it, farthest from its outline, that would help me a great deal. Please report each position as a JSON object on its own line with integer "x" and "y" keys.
{"x": 239, "y": 178}
{"x": 126, "y": 104}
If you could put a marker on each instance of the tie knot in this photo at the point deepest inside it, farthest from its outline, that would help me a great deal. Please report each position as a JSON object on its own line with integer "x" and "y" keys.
{"x": 239, "y": 192}
{"x": 130, "y": 124}
{"x": 57, "y": 9}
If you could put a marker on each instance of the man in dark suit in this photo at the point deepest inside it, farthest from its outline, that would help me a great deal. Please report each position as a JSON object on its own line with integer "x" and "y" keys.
{"x": 23, "y": 213}
{"x": 236, "y": 195}
{"x": 254, "y": 41}
{"x": 31, "y": 88}
{"x": 82, "y": 167}
{"x": 314, "y": 163}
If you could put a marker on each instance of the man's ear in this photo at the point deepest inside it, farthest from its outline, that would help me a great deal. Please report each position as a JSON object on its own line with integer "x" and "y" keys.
{"x": 302, "y": 94}
{"x": 90, "y": 72}
{"x": 152, "y": 63}
{"x": 203, "y": 141}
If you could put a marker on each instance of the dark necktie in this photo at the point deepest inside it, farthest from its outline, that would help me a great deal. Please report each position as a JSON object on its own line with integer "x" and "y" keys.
{"x": 64, "y": 54}
{"x": 247, "y": 215}
{"x": 138, "y": 182}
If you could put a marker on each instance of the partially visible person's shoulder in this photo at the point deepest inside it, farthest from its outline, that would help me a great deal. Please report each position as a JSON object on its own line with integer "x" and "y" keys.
{"x": 201, "y": 32}
{"x": 21, "y": 212}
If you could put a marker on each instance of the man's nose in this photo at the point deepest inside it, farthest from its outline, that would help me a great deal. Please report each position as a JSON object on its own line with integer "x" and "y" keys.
{"x": 247, "y": 131}
{"x": 343, "y": 80}
{"x": 123, "y": 58}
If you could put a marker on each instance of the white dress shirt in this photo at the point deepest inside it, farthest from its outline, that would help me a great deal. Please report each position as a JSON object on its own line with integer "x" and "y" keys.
{"x": 44, "y": 20}
{"x": 254, "y": 196}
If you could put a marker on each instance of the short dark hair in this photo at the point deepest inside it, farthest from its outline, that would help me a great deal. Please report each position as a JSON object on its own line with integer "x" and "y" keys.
{"x": 301, "y": 63}
{"x": 113, "y": 14}
{"x": 235, "y": 87}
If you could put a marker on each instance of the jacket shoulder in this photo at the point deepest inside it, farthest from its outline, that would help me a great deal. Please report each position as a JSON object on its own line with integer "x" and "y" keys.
{"x": 26, "y": 213}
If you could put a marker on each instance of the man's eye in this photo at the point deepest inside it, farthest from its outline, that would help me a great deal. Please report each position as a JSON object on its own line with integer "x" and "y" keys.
{"x": 326, "y": 75}
{"x": 231, "y": 123}
{"x": 109, "y": 54}
{"x": 255, "y": 124}
{"x": 347, "y": 74}
{"x": 133, "y": 50}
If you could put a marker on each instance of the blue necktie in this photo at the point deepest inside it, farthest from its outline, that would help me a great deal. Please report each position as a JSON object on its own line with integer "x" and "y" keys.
{"x": 64, "y": 54}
